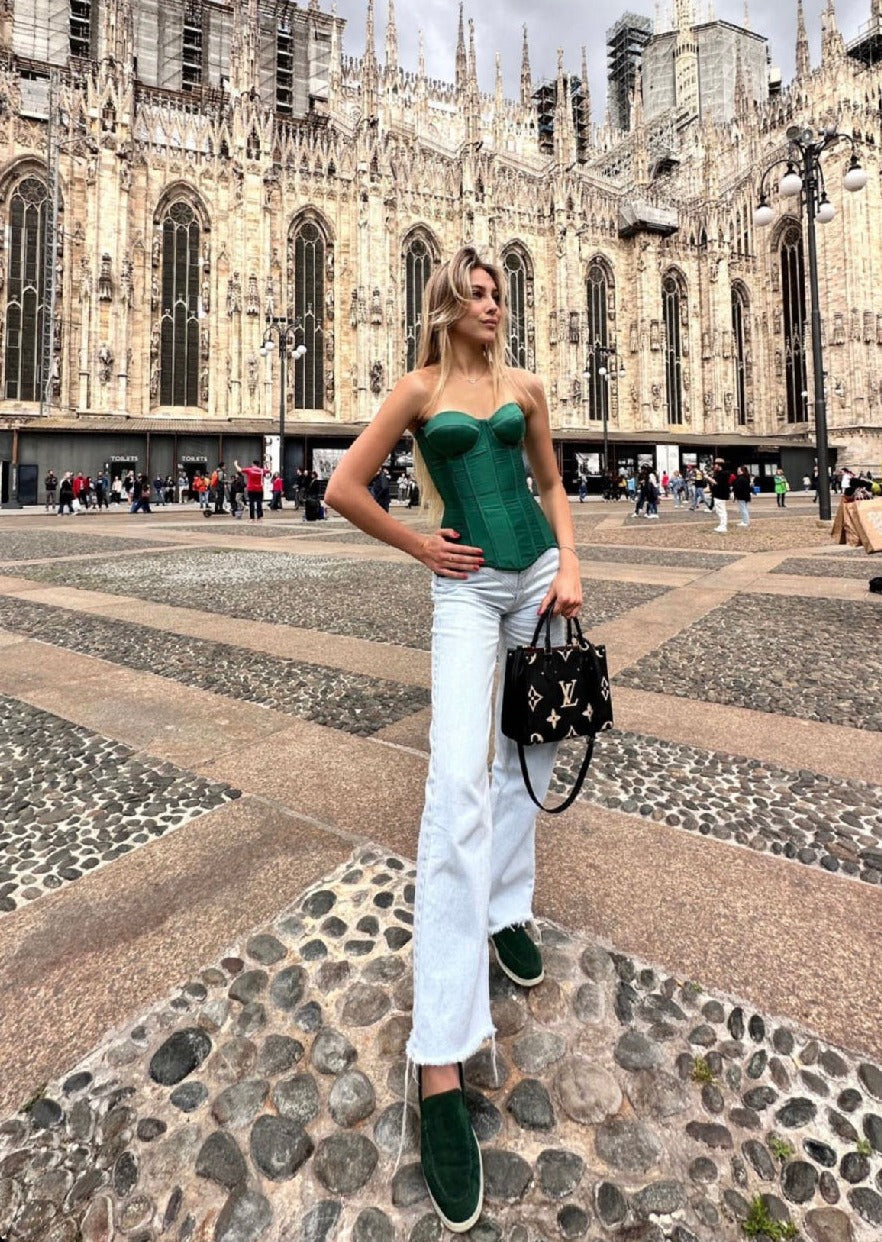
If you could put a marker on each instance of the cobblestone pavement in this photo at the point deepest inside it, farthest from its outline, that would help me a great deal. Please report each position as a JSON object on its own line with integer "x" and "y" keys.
{"x": 258, "y": 1095}
{"x": 357, "y": 598}
{"x": 19, "y": 545}
{"x": 669, "y": 557}
{"x": 696, "y": 530}
{"x": 812, "y": 819}
{"x": 264, "y": 1097}
{"x": 74, "y": 801}
{"x": 342, "y": 700}
{"x": 829, "y": 567}
{"x": 791, "y": 655}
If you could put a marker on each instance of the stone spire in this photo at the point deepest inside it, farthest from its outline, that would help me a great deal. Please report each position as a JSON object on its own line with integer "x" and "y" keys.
{"x": 526, "y": 75}
{"x": 746, "y": 22}
{"x": 473, "y": 97}
{"x": 421, "y": 56}
{"x": 586, "y": 90}
{"x": 369, "y": 67}
{"x": 832, "y": 43}
{"x": 564, "y": 128}
{"x": 803, "y": 60}
{"x": 461, "y": 62}
{"x": 391, "y": 40}
{"x": 498, "y": 106}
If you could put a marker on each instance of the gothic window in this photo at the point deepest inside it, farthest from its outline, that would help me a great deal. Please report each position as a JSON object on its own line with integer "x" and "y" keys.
{"x": 310, "y": 261}
{"x": 672, "y": 301}
{"x": 285, "y": 65}
{"x": 179, "y": 321}
{"x": 25, "y": 305}
{"x": 516, "y": 277}
{"x": 191, "y": 59}
{"x": 793, "y": 296}
{"x": 739, "y": 352}
{"x": 598, "y": 288}
{"x": 418, "y": 263}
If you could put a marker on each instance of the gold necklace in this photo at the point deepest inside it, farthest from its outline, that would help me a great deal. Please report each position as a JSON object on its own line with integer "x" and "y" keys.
{"x": 471, "y": 381}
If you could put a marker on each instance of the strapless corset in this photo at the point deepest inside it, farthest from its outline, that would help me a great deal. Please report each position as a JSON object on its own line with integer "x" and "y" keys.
{"x": 452, "y": 432}
{"x": 477, "y": 466}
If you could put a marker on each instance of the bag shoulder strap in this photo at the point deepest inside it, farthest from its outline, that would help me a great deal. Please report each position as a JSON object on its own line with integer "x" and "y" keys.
{"x": 574, "y": 792}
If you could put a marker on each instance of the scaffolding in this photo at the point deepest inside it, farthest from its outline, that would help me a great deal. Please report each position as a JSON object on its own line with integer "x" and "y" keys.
{"x": 867, "y": 47}
{"x": 625, "y": 42}
{"x": 50, "y": 249}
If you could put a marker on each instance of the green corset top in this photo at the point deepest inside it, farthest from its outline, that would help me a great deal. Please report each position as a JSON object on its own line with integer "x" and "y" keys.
{"x": 477, "y": 467}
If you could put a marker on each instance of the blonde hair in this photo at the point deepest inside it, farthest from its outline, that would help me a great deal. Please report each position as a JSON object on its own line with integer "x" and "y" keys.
{"x": 447, "y": 294}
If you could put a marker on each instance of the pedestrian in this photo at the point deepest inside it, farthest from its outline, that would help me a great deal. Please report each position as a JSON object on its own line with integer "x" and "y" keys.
{"x": 253, "y": 476}
{"x": 158, "y": 487}
{"x": 499, "y": 560}
{"x": 237, "y": 493}
{"x": 699, "y": 483}
{"x": 277, "y": 487}
{"x": 742, "y": 490}
{"x": 583, "y": 489}
{"x": 219, "y": 487}
{"x": 66, "y": 495}
{"x": 101, "y": 501}
{"x": 665, "y": 483}
{"x": 200, "y": 487}
{"x": 116, "y": 490}
{"x": 379, "y": 488}
{"x": 678, "y": 488}
{"x": 141, "y": 495}
{"x": 815, "y": 484}
{"x": 50, "y": 483}
{"x": 651, "y": 493}
{"x": 782, "y": 487}
{"x": 183, "y": 487}
{"x": 720, "y": 491}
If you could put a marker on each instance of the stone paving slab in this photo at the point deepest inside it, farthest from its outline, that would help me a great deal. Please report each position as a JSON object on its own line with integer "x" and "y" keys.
{"x": 347, "y": 701}
{"x": 361, "y": 598}
{"x": 263, "y": 1099}
{"x": 74, "y": 801}
{"x": 789, "y": 655}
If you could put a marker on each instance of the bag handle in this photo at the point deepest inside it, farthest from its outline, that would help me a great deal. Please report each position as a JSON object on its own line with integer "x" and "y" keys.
{"x": 545, "y": 619}
{"x": 574, "y": 792}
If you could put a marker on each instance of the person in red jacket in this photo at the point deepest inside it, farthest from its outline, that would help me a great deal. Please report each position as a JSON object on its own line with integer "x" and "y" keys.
{"x": 253, "y": 488}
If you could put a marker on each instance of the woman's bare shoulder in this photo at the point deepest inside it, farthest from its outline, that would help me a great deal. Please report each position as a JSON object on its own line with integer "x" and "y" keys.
{"x": 416, "y": 390}
{"x": 527, "y": 383}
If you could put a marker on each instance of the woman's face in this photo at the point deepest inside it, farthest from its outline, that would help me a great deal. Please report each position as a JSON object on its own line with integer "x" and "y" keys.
{"x": 480, "y": 319}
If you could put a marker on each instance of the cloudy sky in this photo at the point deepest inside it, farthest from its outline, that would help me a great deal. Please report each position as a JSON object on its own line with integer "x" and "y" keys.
{"x": 569, "y": 23}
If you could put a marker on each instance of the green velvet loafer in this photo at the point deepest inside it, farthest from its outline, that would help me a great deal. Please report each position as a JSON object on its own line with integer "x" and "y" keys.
{"x": 451, "y": 1159}
{"x": 518, "y": 956}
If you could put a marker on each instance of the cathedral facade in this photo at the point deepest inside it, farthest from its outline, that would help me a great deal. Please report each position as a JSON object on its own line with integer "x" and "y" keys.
{"x": 191, "y": 190}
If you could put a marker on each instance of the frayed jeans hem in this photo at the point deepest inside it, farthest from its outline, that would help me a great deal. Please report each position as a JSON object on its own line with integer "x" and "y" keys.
{"x": 455, "y": 1057}
{"x": 526, "y": 921}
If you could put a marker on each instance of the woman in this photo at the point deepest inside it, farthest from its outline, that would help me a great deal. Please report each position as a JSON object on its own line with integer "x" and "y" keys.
{"x": 742, "y": 490}
{"x": 499, "y": 561}
{"x": 782, "y": 487}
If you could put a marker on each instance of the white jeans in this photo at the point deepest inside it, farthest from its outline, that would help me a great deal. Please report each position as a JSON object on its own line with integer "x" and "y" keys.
{"x": 722, "y": 515}
{"x": 476, "y": 855}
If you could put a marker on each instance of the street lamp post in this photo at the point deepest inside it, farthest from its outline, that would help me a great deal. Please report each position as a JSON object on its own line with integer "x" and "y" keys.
{"x": 281, "y": 325}
{"x": 607, "y": 374}
{"x": 805, "y": 150}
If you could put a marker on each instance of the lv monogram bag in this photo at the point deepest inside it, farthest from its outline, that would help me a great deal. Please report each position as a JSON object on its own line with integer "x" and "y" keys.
{"x": 554, "y": 693}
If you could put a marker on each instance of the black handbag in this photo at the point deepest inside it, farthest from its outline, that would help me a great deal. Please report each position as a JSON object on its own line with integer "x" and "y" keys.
{"x": 553, "y": 693}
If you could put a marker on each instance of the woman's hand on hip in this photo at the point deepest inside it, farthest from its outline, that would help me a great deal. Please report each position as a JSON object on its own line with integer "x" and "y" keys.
{"x": 444, "y": 556}
{"x": 564, "y": 596}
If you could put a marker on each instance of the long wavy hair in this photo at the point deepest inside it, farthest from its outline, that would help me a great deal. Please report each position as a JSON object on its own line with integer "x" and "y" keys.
{"x": 446, "y": 297}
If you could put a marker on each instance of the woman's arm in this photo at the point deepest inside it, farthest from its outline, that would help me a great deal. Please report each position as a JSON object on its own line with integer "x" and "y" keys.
{"x": 348, "y": 488}
{"x": 566, "y": 589}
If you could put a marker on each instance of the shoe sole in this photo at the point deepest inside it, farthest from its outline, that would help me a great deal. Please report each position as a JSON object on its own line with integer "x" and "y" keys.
{"x": 525, "y": 983}
{"x": 464, "y": 1226}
